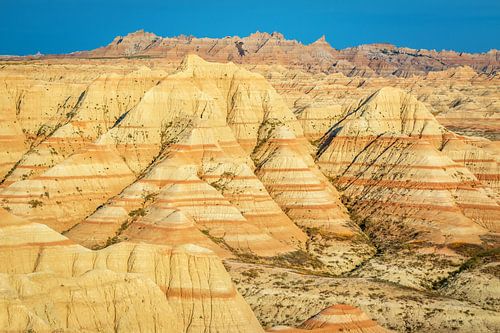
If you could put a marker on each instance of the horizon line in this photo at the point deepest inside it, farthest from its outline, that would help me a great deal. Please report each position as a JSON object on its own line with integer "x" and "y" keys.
{"x": 323, "y": 36}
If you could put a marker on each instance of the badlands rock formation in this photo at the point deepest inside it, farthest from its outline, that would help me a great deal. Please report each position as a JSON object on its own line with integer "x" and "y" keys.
{"x": 125, "y": 181}
{"x": 460, "y": 98}
{"x": 281, "y": 297}
{"x": 337, "y": 318}
{"x": 50, "y": 283}
{"x": 390, "y": 152}
{"x": 264, "y": 48}
{"x": 388, "y": 156}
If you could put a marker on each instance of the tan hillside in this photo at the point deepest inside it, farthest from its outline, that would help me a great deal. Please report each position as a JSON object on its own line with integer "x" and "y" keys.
{"x": 146, "y": 189}
{"x": 174, "y": 289}
{"x": 337, "y": 318}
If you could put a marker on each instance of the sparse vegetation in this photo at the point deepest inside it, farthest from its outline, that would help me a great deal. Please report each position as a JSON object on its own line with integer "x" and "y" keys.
{"x": 35, "y": 203}
{"x": 137, "y": 212}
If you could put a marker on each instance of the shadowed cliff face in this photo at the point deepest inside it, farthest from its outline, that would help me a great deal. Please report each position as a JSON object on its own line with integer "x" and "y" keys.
{"x": 126, "y": 181}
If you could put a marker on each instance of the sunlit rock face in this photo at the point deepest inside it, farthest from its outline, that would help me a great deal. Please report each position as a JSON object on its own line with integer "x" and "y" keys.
{"x": 156, "y": 190}
{"x": 273, "y": 48}
{"x": 50, "y": 283}
{"x": 387, "y": 157}
{"x": 336, "y": 318}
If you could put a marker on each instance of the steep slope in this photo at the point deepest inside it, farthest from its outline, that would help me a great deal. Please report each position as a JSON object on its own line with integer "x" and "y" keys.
{"x": 257, "y": 47}
{"x": 307, "y": 197}
{"x": 386, "y": 59}
{"x": 385, "y": 153}
{"x": 11, "y": 134}
{"x": 86, "y": 113}
{"x": 205, "y": 119}
{"x": 425, "y": 212}
{"x": 337, "y": 318}
{"x": 290, "y": 177}
{"x": 125, "y": 287}
{"x": 461, "y": 99}
{"x": 89, "y": 177}
{"x": 482, "y": 163}
{"x": 201, "y": 132}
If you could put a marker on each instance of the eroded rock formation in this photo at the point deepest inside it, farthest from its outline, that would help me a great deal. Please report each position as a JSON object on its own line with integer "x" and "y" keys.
{"x": 50, "y": 283}
{"x": 126, "y": 180}
{"x": 337, "y": 318}
{"x": 274, "y": 48}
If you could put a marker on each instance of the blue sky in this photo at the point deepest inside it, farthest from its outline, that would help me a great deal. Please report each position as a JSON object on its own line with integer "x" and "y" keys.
{"x": 60, "y": 26}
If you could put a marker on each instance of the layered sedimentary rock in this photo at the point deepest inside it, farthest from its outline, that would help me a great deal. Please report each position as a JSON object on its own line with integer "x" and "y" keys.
{"x": 366, "y": 60}
{"x": 89, "y": 178}
{"x": 50, "y": 283}
{"x": 295, "y": 172}
{"x": 204, "y": 132}
{"x": 337, "y": 318}
{"x": 461, "y": 99}
{"x": 384, "y": 59}
{"x": 11, "y": 134}
{"x": 83, "y": 113}
{"x": 307, "y": 197}
{"x": 467, "y": 102}
{"x": 385, "y": 155}
{"x": 482, "y": 163}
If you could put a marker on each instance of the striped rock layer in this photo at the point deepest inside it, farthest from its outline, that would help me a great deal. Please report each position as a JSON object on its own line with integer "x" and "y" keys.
{"x": 59, "y": 285}
{"x": 306, "y": 195}
{"x": 158, "y": 159}
{"x": 388, "y": 156}
{"x": 183, "y": 148}
{"x": 225, "y": 145}
{"x": 336, "y": 318}
{"x": 264, "y": 48}
{"x": 461, "y": 99}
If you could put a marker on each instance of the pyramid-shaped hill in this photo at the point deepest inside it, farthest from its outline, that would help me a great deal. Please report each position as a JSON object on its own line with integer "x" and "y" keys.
{"x": 99, "y": 290}
{"x": 183, "y": 148}
{"x": 296, "y": 184}
{"x": 336, "y": 318}
{"x": 386, "y": 155}
{"x": 138, "y": 190}
{"x": 198, "y": 92}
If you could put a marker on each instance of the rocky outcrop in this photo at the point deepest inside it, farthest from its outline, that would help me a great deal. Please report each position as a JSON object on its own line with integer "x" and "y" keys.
{"x": 49, "y": 283}
{"x": 386, "y": 156}
{"x": 302, "y": 296}
{"x": 479, "y": 286}
{"x": 337, "y": 318}
{"x": 387, "y": 59}
{"x": 211, "y": 121}
{"x": 461, "y": 99}
{"x": 89, "y": 177}
{"x": 265, "y": 48}
{"x": 159, "y": 168}
{"x": 296, "y": 184}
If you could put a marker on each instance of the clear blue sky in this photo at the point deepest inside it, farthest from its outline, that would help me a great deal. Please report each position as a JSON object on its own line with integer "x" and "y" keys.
{"x": 60, "y": 26}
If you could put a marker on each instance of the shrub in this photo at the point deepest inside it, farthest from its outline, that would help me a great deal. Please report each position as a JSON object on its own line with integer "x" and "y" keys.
{"x": 137, "y": 212}
{"x": 35, "y": 203}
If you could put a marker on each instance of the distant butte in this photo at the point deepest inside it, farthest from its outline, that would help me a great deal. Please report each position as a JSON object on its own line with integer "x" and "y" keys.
{"x": 262, "y": 48}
